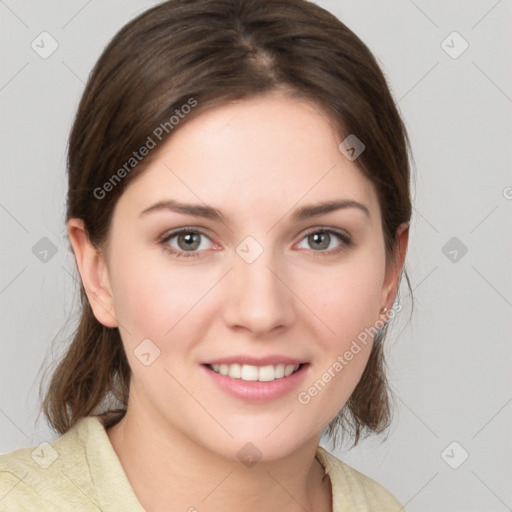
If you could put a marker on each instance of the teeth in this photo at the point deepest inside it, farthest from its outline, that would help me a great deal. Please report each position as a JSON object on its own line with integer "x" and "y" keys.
{"x": 279, "y": 371}
{"x": 249, "y": 372}
{"x": 235, "y": 371}
{"x": 252, "y": 373}
{"x": 289, "y": 369}
{"x": 267, "y": 373}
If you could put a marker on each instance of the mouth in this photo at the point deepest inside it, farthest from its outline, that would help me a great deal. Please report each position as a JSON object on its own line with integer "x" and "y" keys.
{"x": 252, "y": 373}
{"x": 252, "y": 380}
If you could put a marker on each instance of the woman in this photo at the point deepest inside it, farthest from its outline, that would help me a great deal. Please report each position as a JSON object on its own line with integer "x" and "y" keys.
{"x": 238, "y": 208}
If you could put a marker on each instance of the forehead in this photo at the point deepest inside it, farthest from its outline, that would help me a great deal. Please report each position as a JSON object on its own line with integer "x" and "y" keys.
{"x": 261, "y": 154}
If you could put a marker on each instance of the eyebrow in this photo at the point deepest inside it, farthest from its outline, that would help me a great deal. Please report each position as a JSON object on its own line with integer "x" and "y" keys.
{"x": 208, "y": 212}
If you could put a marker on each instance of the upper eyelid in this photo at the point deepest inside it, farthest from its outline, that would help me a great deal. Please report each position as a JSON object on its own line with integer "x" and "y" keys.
{"x": 336, "y": 231}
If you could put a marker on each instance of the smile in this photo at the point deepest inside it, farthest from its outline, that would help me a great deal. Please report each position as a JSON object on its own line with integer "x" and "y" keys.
{"x": 251, "y": 373}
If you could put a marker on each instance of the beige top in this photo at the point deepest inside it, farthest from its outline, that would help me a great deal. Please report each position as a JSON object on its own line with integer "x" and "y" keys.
{"x": 80, "y": 471}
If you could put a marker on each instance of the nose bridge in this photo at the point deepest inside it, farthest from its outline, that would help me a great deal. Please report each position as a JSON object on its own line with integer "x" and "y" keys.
{"x": 258, "y": 300}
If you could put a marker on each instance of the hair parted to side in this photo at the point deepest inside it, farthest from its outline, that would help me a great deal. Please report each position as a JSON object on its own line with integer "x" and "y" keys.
{"x": 218, "y": 51}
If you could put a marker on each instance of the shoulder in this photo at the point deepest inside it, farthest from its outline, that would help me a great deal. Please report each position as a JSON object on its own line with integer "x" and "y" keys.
{"x": 51, "y": 476}
{"x": 352, "y": 490}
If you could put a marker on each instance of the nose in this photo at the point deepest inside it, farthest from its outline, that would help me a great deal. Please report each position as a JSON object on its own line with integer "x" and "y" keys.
{"x": 257, "y": 298}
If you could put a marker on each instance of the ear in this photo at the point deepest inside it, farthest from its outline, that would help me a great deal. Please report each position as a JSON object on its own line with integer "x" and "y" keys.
{"x": 394, "y": 268}
{"x": 94, "y": 273}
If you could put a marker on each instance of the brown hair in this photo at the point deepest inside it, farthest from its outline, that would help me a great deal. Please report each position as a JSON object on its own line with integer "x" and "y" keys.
{"x": 213, "y": 52}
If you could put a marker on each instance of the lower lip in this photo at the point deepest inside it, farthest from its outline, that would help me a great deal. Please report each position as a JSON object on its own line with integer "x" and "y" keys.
{"x": 255, "y": 390}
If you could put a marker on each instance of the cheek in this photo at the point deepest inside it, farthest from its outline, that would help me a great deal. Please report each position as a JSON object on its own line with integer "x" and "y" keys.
{"x": 347, "y": 300}
{"x": 152, "y": 296}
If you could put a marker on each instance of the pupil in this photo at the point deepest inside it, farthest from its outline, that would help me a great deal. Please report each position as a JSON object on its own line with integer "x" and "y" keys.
{"x": 322, "y": 239}
{"x": 191, "y": 240}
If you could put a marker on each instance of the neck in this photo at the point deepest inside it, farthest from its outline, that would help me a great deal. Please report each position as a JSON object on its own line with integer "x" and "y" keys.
{"x": 169, "y": 471}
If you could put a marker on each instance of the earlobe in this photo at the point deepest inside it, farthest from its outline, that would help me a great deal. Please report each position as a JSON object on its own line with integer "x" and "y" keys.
{"x": 94, "y": 273}
{"x": 394, "y": 269}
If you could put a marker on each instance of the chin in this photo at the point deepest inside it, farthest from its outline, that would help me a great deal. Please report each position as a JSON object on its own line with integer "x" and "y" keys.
{"x": 263, "y": 441}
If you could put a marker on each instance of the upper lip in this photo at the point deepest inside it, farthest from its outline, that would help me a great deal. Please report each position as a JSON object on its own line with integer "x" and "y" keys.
{"x": 256, "y": 361}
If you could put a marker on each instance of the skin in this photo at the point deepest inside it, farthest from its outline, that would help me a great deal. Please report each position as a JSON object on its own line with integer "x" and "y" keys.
{"x": 256, "y": 160}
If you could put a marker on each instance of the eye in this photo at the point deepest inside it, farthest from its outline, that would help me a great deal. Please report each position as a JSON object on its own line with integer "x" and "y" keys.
{"x": 323, "y": 241}
{"x": 187, "y": 242}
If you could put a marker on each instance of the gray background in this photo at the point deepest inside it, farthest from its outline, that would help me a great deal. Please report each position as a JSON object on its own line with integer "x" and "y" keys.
{"x": 450, "y": 365}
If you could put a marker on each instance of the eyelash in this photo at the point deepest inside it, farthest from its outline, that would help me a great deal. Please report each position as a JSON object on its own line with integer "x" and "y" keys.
{"x": 164, "y": 241}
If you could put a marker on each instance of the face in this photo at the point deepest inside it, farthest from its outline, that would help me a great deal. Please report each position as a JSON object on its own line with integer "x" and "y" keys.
{"x": 237, "y": 298}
